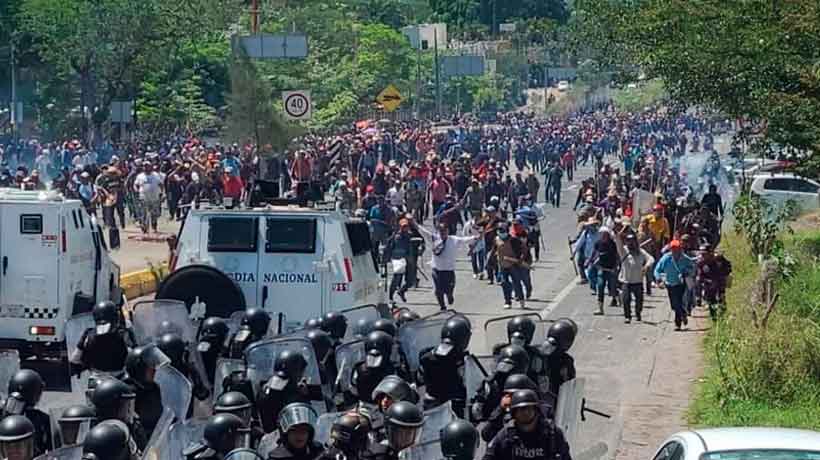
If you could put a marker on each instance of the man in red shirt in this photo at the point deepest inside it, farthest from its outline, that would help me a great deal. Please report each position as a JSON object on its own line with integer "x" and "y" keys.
{"x": 232, "y": 186}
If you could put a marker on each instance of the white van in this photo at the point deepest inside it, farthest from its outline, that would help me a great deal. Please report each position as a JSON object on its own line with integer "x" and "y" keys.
{"x": 778, "y": 189}
{"x": 53, "y": 264}
{"x": 296, "y": 262}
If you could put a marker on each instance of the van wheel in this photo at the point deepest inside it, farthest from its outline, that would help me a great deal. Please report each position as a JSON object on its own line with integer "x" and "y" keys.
{"x": 221, "y": 294}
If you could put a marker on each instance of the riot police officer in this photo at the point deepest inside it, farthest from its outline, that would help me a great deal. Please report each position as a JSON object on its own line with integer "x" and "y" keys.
{"x": 236, "y": 403}
{"x": 16, "y": 438}
{"x": 212, "y": 336}
{"x": 405, "y": 316}
{"x": 362, "y": 328}
{"x": 74, "y": 424}
{"x": 560, "y": 365}
{"x": 222, "y": 434}
{"x": 335, "y": 324}
{"x": 287, "y": 385}
{"x": 254, "y": 327}
{"x": 114, "y": 400}
{"x": 25, "y": 389}
{"x": 441, "y": 369}
{"x": 314, "y": 323}
{"x": 513, "y": 359}
{"x": 296, "y": 428}
{"x": 110, "y": 440}
{"x": 323, "y": 346}
{"x": 348, "y": 439}
{"x": 393, "y": 389}
{"x": 403, "y": 422}
{"x": 459, "y": 440}
{"x": 531, "y": 436}
{"x": 384, "y": 325}
{"x": 141, "y": 366}
{"x": 175, "y": 347}
{"x": 520, "y": 331}
{"x": 377, "y": 365}
{"x": 104, "y": 347}
{"x": 501, "y": 414}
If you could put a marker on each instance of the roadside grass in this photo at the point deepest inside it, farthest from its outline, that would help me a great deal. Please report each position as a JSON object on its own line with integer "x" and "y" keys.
{"x": 765, "y": 376}
{"x": 637, "y": 99}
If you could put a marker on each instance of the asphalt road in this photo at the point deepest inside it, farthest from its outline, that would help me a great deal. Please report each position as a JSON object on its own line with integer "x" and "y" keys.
{"x": 609, "y": 355}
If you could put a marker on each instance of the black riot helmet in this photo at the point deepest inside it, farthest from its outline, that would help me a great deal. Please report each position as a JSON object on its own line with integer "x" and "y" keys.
{"x": 378, "y": 346}
{"x": 174, "y": 347}
{"x": 562, "y": 333}
{"x": 213, "y": 332}
{"x": 16, "y": 437}
{"x": 403, "y": 421}
{"x": 234, "y": 402}
{"x": 455, "y": 335}
{"x": 349, "y": 434}
{"x": 297, "y": 414}
{"x": 289, "y": 366}
{"x": 406, "y": 316}
{"x": 520, "y": 330}
{"x": 107, "y": 317}
{"x": 513, "y": 359}
{"x": 322, "y": 343}
{"x": 107, "y": 441}
{"x": 523, "y": 398}
{"x": 113, "y": 399}
{"x": 75, "y": 422}
{"x": 395, "y": 388}
{"x": 362, "y": 328}
{"x": 142, "y": 360}
{"x": 385, "y": 325}
{"x": 257, "y": 320}
{"x": 335, "y": 324}
{"x": 28, "y": 385}
{"x": 224, "y": 433}
{"x": 459, "y": 440}
{"x": 517, "y": 382}
{"x": 314, "y": 323}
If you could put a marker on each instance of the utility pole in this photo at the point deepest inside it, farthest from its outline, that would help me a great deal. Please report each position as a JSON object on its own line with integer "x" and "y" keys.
{"x": 438, "y": 72}
{"x": 255, "y": 17}
{"x": 13, "y": 92}
{"x": 417, "y": 99}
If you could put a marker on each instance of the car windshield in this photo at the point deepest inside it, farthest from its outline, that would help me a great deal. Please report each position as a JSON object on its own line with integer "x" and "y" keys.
{"x": 768, "y": 454}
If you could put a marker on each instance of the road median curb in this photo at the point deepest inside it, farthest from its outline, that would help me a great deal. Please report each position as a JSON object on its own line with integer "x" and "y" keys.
{"x": 142, "y": 282}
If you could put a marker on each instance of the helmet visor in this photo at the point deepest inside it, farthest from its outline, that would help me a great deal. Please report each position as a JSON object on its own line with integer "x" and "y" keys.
{"x": 22, "y": 449}
{"x": 374, "y": 360}
{"x": 400, "y": 437}
{"x": 203, "y": 346}
{"x": 445, "y": 347}
{"x": 243, "y": 334}
{"x": 278, "y": 382}
{"x": 15, "y": 405}
{"x": 103, "y": 328}
{"x": 243, "y": 454}
{"x": 73, "y": 432}
{"x": 297, "y": 414}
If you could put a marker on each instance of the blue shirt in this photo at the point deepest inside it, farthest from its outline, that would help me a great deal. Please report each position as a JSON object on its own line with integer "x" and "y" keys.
{"x": 674, "y": 271}
{"x": 233, "y": 163}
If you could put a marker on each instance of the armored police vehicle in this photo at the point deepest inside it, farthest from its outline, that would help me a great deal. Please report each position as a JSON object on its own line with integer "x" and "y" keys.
{"x": 296, "y": 262}
{"x": 54, "y": 264}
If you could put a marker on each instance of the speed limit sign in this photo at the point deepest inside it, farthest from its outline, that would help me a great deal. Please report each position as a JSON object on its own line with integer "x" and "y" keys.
{"x": 297, "y": 104}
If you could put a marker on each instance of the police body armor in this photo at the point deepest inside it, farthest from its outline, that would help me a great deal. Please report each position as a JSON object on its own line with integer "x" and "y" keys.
{"x": 106, "y": 352}
{"x": 443, "y": 378}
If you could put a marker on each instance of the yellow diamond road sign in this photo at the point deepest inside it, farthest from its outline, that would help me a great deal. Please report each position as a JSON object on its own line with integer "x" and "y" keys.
{"x": 390, "y": 98}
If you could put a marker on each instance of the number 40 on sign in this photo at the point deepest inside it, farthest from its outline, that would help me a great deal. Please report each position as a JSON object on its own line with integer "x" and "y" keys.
{"x": 297, "y": 104}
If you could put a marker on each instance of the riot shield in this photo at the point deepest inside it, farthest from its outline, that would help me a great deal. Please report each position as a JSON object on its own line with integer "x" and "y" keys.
{"x": 417, "y": 336}
{"x": 180, "y": 436}
{"x": 244, "y": 454}
{"x": 152, "y": 318}
{"x": 353, "y": 315}
{"x": 495, "y": 330}
{"x": 175, "y": 389}
{"x": 268, "y": 443}
{"x": 323, "y": 426}
{"x": 75, "y": 327}
{"x": 63, "y": 453}
{"x": 434, "y": 420}
{"x": 568, "y": 408}
{"x": 261, "y": 357}
{"x": 234, "y": 322}
{"x": 476, "y": 370}
{"x": 224, "y": 368}
{"x": 9, "y": 365}
{"x": 347, "y": 356}
{"x": 423, "y": 451}
{"x": 159, "y": 436}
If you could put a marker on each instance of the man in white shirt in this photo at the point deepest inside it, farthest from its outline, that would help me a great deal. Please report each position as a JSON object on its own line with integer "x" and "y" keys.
{"x": 445, "y": 249}
{"x": 148, "y": 186}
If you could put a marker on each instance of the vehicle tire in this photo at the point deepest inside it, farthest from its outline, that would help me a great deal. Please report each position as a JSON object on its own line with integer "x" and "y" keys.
{"x": 221, "y": 294}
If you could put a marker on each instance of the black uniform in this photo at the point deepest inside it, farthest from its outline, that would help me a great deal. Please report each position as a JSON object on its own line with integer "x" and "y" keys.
{"x": 105, "y": 352}
{"x": 284, "y": 452}
{"x": 488, "y": 397}
{"x": 42, "y": 430}
{"x": 560, "y": 368}
{"x": 148, "y": 403}
{"x": 271, "y": 402}
{"x": 443, "y": 379}
{"x": 547, "y": 442}
{"x": 363, "y": 380}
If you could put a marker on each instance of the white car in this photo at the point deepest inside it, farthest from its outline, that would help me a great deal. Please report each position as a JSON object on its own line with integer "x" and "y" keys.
{"x": 563, "y": 85}
{"x": 778, "y": 189}
{"x": 741, "y": 444}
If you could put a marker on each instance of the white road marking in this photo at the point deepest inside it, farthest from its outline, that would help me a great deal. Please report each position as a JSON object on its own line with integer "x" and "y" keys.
{"x": 560, "y": 297}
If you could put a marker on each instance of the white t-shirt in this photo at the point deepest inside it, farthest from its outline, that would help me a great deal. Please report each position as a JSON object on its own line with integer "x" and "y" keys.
{"x": 148, "y": 186}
